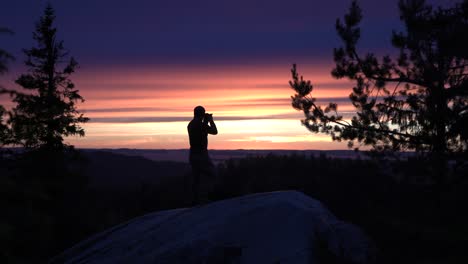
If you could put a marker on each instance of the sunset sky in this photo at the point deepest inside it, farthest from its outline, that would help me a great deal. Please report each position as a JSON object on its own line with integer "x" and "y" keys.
{"x": 145, "y": 64}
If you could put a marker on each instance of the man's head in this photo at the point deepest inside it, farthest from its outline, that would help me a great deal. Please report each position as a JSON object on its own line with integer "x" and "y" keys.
{"x": 199, "y": 111}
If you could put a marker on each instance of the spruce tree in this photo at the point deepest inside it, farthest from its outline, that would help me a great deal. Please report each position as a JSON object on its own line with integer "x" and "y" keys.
{"x": 47, "y": 111}
{"x": 45, "y": 173}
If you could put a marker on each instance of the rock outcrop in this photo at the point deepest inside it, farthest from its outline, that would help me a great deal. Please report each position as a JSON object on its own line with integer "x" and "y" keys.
{"x": 276, "y": 227}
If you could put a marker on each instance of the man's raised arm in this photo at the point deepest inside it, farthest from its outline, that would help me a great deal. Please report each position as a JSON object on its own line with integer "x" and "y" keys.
{"x": 211, "y": 128}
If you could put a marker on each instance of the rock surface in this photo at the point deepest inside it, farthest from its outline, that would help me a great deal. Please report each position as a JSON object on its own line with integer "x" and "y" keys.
{"x": 276, "y": 227}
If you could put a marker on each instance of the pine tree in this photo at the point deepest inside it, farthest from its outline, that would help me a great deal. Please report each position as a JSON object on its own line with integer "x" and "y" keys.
{"x": 47, "y": 111}
{"x": 417, "y": 100}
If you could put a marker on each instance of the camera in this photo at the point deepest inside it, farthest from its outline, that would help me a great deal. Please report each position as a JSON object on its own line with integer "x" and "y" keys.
{"x": 208, "y": 116}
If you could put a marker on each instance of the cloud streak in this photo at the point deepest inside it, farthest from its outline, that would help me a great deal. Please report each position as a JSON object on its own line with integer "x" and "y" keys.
{"x": 247, "y": 103}
{"x": 158, "y": 119}
{"x": 154, "y": 119}
{"x": 128, "y": 109}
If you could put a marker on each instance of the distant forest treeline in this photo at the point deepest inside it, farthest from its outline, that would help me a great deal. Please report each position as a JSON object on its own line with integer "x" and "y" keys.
{"x": 409, "y": 218}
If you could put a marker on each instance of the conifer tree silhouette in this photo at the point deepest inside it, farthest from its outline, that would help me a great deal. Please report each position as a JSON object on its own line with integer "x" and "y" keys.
{"x": 417, "y": 100}
{"x": 5, "y": 57}
{"x": 47, "y": 111}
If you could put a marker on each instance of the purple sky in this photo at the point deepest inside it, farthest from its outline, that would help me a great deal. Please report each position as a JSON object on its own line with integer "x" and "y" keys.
{"x": 144, "y": 64}
{"x": 202, "y": 31}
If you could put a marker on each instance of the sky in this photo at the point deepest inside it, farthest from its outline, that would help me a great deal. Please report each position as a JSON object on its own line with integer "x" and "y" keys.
{"x": 145, "y": 64}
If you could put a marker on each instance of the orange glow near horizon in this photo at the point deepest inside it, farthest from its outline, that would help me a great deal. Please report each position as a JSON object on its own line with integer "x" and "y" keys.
{"x": 149, "y": 107}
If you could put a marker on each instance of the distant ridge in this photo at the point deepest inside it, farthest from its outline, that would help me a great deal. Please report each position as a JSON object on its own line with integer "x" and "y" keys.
{"x": 220, "y": 155}
{"x": 181, "y": 155}
{"x": 113, "y": 170}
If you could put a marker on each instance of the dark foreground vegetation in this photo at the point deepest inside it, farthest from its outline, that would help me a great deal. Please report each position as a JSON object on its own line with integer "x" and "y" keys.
{"x": 51, "y": 197}
{"x": 395, "y": 202}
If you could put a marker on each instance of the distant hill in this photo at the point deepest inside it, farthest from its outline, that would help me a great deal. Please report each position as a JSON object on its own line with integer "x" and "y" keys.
{"x": 109, "y": 170}
{"x": 181, "y": 155}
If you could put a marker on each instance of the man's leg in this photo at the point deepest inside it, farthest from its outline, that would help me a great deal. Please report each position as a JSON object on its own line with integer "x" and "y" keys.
{"x": 195, "y": 184}
{"x": 208, "y": 172}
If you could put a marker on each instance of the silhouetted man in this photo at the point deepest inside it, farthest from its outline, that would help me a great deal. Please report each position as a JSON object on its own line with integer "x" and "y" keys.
{"x": 198, "y": 130}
